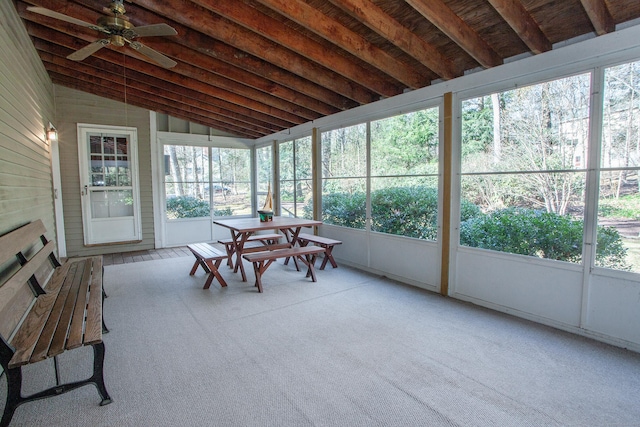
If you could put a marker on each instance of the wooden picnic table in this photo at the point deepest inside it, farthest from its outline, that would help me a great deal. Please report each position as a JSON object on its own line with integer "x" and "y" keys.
{"x": 242, "y": 228}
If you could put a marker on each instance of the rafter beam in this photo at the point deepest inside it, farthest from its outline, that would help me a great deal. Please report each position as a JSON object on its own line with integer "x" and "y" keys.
{"x": 183, "y": 74}
{"x": 241, "y": 39}
{"x": 402, "y": 37}
{"x": 348, "y": 40}
{"x": 56, "y": 55}
{"x": 599, "y": 15}
{"x": 437, "y": 12}
{"x": 286, "y": 39}
{"x": 523, "y": 24}
{"x": 265, "y": 76}
{"x": 285, "y": 119}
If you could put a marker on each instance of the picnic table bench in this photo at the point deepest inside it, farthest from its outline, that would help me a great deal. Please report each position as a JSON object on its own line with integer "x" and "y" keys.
{"x": 304, "y": 239}
{"x": 47, "y": 308}
{"x": 253, "y": 242}
{"x": 210, "y": 259}
{"x": 262, "y": 260}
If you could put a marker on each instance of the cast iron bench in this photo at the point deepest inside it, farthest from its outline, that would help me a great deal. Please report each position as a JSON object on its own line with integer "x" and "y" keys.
{"x": 47, "y": 308}
{"x": 304, "y": 239}
{"x": 262, "y": 260}
{"x": 210, "y": 259}
{"x": 256, "y": 239}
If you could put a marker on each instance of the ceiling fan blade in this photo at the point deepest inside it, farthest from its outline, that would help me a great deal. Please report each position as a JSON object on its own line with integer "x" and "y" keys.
{"x": 166, "y": 62}
{"x": 66, "y": 18}
{"x": 88, "y": 50}
{"x": 154, "y": 30}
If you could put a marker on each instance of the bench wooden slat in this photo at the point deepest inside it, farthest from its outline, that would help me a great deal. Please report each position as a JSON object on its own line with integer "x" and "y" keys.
{"x": 27, "y": 336}
{"x": 26, "y": 271}
{"x": 41, "y": 351}
{"x": 281, "y": 253}
{"x": 14, "y": 242}
{"x": 318, "y": 239}
{"x": 253, "y": 238}
{"x": 59, "y": 341}
{"x": 206, "y": 251}
{"x": 93, "y": 325}
{"x": 74, "y": 336}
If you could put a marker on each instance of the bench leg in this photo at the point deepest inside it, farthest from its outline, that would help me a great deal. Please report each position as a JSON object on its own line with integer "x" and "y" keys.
{"x": 214, "y": 273}
{"x": 14, "y": 395}
{"x": 14, "y": 386}
{"x": 195, "y": 267}
{"x": 328, "y": 257}
{"x": 259, "y": 267}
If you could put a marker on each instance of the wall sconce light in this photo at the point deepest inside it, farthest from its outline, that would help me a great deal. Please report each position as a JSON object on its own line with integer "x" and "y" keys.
{"x": 52, "y": 133}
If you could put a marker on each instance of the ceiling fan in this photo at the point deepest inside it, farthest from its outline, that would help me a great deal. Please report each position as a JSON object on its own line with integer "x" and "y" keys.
{"x": 119, "y": 32}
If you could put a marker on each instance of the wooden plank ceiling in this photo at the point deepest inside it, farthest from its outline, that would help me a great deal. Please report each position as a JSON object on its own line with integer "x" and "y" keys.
{"x": 255, "y": 67}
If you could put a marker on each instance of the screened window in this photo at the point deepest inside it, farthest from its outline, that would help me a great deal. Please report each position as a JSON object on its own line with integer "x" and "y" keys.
{"x": 404, "y": 174}
{"x": 344, "y": 172}
{"x": 619, "y": 201}
{"x": 523, "y": 169}
{"x": 296, "y": 188}
{"x": 200, "y": 181}
{"x": 264, "y": 165}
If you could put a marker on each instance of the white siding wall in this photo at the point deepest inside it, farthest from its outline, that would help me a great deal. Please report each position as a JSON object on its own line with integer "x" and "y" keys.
{"x": 75, "y": 107}
{"x": 26, "y": 108}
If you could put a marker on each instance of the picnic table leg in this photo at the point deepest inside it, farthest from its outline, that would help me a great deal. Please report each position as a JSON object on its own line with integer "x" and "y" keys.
{"x": 239, "y": 241}
{"x": 293, "y": 240}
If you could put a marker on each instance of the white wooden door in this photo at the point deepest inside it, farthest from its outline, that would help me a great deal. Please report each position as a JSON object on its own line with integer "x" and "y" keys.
{"x": 109, "y": 179}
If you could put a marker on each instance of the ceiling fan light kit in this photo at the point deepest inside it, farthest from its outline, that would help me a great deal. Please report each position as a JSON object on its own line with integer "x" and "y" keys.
{"x": 119, "y": 30}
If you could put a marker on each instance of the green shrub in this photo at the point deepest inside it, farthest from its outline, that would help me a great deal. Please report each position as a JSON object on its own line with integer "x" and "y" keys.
{"x": 344, "y": 209}
{"x": 186, "y": 207}
{"x": 406, "y": 211}
{"x": 541, "y": 234}
{"x": 412, "y": 212}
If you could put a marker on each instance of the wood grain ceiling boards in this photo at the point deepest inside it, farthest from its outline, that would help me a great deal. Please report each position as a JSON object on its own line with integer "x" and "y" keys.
{"x": 255, "y": 67}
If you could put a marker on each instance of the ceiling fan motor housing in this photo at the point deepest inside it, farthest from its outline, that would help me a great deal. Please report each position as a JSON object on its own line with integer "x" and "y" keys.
{"x": 119, "y": 29}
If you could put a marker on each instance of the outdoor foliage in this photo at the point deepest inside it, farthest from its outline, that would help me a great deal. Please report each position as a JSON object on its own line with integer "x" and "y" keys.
{"x": 540, "y": 234}
{"x": 186, "y": 207}
{"x": 192, "y": 207}
{"x": 412, "y": 212}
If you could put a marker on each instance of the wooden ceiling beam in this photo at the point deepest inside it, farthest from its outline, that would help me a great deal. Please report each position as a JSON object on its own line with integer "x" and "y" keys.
{"x": 224, "y": 60}
{"x": 134, "y": 93}
{"x": 360, "y": 86}
{"x": 523, "y": 24}
{"x": 114, "y": 72}
{"x": 235, "y": 92}
{"x": 599, "y": 15}
{"x": 242, "y": 82}
{"x": 437, "y": 12}
{"x": 272, "y": 29}
{"x": 112, "y": 62}
{"x": 183, "y": 74}
{"x": 117, "y": 95}
{"x": 240, "y": 38}
{"x": 335, "y": 32}
{"x": 402, "y": 37}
